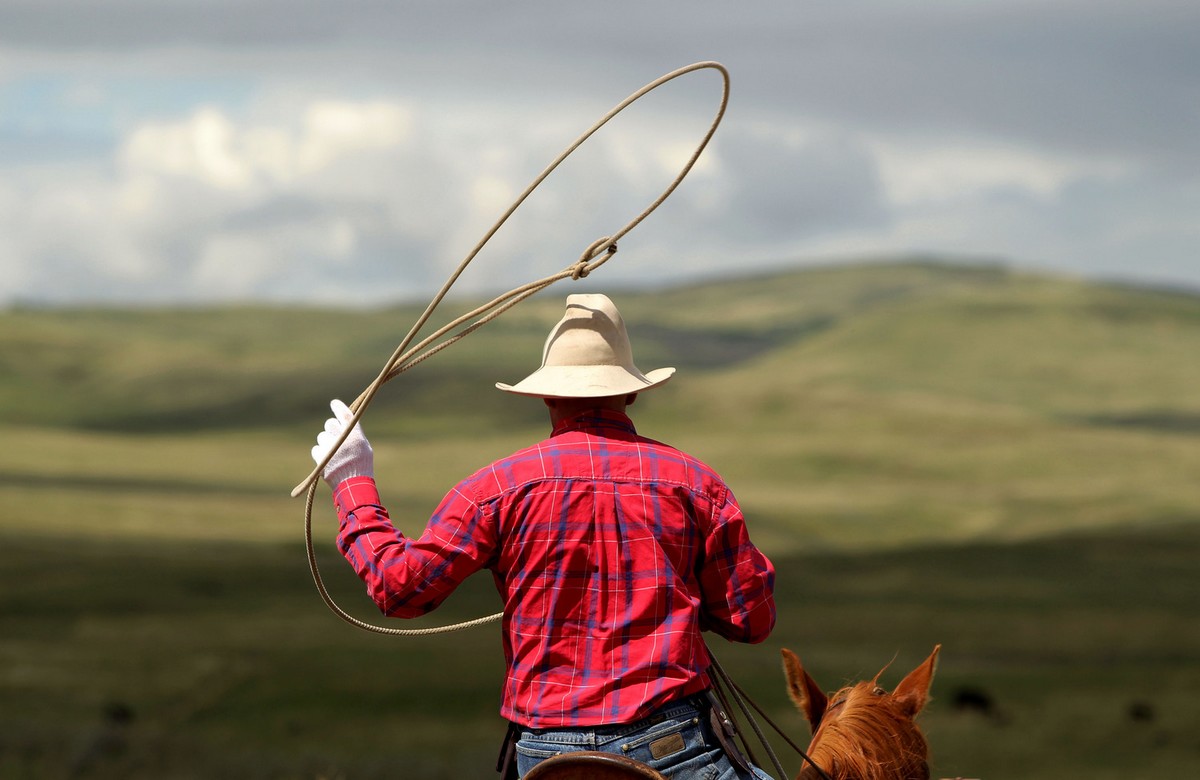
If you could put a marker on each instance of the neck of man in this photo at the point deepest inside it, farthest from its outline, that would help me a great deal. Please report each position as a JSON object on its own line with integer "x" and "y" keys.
{"x": 565, "y": 408}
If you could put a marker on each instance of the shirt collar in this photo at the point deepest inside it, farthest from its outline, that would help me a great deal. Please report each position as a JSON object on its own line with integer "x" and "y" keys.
{"x": 602, "y": 421}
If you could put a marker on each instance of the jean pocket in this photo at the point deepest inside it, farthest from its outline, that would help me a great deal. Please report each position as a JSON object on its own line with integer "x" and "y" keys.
{"x": 662, "y": 737}
{"x": 539, "y": 750}
{"x": 668, "y": 745}
{"x": 530, "y": 755}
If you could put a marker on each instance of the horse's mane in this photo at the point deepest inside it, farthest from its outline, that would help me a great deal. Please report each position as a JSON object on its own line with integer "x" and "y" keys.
{"x": 868, "y": 736}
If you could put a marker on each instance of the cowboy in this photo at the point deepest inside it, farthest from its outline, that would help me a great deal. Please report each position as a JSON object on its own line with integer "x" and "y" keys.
{"x": 611, "y": 552}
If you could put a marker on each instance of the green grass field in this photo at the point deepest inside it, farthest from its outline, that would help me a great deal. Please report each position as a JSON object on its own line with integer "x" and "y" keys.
{"x": 999, "y": 463}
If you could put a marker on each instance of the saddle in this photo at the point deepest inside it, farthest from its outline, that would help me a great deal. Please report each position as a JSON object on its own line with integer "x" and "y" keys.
{"x": 590, "y": 765}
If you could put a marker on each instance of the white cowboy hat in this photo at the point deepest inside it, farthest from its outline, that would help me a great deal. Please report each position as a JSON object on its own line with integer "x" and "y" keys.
{"x": 588, "y": 355}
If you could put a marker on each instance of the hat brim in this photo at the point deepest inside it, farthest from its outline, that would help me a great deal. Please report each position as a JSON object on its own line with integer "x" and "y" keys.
{"x": 586, "y": 381}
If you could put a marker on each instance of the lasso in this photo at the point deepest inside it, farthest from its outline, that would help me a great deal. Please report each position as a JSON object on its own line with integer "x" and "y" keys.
{"x": 405, "y": 357}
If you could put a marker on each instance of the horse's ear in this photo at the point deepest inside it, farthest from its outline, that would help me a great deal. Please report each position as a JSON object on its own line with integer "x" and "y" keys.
{"x": 913, "y": 690}
{"x": 803, "y": 690}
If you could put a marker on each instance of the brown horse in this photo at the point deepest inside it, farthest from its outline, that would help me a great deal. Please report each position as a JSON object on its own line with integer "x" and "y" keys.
{"x": 862, "y": 732}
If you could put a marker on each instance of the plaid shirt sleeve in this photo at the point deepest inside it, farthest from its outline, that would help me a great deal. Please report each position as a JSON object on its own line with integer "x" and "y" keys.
{"x": 409, "y": 577}
{"x": 736, "y": 579}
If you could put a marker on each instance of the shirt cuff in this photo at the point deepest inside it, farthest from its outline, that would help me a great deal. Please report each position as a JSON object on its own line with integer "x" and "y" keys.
{"x": 353, "y": 492}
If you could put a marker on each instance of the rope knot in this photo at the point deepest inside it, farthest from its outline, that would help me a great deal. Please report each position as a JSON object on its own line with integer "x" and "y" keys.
{"x": 583, "y": 266}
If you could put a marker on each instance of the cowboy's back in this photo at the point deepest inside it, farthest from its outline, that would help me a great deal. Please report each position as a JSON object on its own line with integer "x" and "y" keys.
{"x": 610, "y": 551}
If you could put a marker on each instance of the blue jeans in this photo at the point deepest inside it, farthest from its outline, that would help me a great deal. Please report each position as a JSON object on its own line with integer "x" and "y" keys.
{"x": 676, "y": 740}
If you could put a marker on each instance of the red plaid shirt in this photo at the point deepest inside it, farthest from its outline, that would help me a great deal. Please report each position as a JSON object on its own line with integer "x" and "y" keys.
{"x": 611, "y": 553}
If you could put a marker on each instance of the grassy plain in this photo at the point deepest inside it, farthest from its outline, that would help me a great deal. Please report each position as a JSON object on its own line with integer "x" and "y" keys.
{"x": 1000, "y": 463}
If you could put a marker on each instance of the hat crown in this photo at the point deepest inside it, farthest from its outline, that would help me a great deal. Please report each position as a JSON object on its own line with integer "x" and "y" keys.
{"x": 591, "y": 333}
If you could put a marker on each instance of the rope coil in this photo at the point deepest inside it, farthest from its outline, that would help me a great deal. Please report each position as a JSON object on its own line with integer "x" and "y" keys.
{"x": 405, "y": 357}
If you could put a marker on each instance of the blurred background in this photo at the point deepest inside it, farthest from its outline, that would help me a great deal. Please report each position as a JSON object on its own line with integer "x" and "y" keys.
{"x": 932, "y": 291}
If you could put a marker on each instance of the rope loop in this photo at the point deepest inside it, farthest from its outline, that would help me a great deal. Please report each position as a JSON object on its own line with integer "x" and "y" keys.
{"x": 404, "y": 357}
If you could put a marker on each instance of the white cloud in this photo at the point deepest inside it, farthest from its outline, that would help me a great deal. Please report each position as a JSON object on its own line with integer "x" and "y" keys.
{"x": 245, "y": 264}
{"x": 202, "y": 148}
{"x": 338, "y": 129}
{"x": 371, "y": 196}
{"x": 913, "y": 175}
{"x": 211, "y": 148}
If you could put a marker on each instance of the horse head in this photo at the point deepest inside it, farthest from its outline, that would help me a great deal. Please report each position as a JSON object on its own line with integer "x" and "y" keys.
{"x": 863, "y": 732}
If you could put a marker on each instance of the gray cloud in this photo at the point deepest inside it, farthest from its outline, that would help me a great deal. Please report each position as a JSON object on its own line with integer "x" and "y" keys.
{"x": 814, "y": 186}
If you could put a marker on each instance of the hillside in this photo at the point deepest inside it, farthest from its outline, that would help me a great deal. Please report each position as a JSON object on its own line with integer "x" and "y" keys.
{"x": 1001, "y": 463}
{"x": 974, "y": 336}
{"x": 971, "y": 402}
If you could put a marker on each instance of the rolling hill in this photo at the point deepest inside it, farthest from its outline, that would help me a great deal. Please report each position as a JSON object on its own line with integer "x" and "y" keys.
{"x": 999, "y": 462}
{"x": 859, "y": 405}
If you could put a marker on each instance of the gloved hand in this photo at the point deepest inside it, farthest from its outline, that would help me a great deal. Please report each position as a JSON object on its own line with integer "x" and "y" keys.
{"x": 354, "y": 458}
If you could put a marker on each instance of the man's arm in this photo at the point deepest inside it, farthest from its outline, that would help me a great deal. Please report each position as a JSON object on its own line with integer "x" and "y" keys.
{"x": 405, "y": 577}
{"x": 736, "y": 579}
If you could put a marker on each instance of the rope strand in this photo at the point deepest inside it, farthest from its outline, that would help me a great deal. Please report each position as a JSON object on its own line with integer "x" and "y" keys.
{"x": 404, "y": 357}
{"x": 735, "y": 692}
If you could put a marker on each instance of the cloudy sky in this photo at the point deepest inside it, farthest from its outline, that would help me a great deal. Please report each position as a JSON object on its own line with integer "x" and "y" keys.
{"x": 335, "y": 151}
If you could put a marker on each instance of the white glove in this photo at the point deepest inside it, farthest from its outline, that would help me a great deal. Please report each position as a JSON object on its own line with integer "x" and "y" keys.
{"x": 354, "y": 458}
